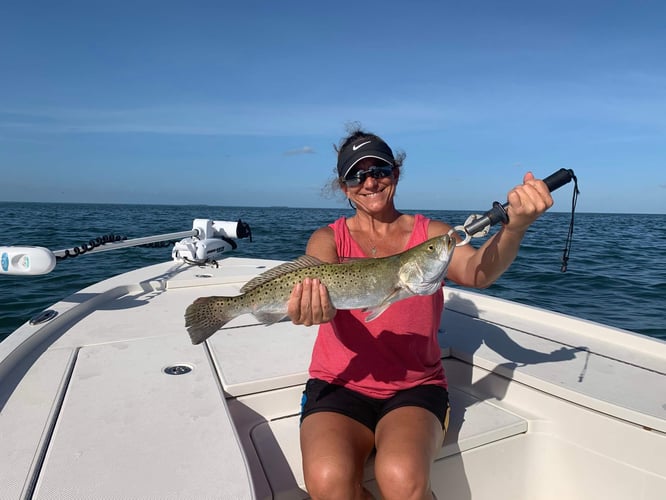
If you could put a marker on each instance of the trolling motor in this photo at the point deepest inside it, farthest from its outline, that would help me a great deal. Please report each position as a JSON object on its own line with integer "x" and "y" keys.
{"x": 206, "y": 240}
{"x": 210, "y": 240}
{"x": 478, "y": 225}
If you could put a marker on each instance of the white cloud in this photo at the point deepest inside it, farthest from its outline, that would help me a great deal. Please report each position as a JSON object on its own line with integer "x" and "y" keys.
{"x": 305, "y": 150}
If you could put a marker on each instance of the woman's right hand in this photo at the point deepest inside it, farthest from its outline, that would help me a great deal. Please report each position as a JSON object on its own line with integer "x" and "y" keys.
{"x": 309, "y": 303}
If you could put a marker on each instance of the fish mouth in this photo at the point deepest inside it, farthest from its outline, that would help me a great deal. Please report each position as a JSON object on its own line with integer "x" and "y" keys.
{"x": 449, "y": 245}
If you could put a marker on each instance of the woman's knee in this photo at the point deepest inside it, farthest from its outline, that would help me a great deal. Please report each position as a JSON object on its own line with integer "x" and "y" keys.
{"x": 402, "y": 478}
{"x": 332, "y": 480}
{"x": 334, "y": 450}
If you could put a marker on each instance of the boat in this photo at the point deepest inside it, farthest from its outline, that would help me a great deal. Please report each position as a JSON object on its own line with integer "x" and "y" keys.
{"x": 103, "y": 395}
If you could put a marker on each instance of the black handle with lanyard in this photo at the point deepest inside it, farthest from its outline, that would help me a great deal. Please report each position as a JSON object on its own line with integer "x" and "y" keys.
{"x": 498, "y": 213}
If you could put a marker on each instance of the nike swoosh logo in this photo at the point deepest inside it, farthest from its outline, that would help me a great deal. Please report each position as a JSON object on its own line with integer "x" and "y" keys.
{"x": 356, "y": 146}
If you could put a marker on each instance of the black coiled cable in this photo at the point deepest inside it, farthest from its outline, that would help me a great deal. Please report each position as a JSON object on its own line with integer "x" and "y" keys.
{"x": 94, "y": 243}
{"x": 103, "y": 240}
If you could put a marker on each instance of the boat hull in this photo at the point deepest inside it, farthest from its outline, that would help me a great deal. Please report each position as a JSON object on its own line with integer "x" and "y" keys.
{"x": 109, "y": 398}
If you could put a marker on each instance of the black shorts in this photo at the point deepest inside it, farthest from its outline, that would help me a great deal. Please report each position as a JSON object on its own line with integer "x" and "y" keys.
{"x": 321, "y": 396}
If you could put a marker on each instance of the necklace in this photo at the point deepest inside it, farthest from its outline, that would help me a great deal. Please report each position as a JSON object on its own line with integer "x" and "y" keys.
{"x": 373, "y": 247}
{"x": 367, "y": 238}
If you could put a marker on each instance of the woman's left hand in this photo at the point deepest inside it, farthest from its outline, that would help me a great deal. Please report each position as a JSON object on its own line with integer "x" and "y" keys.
{"x": 527, "y": 202}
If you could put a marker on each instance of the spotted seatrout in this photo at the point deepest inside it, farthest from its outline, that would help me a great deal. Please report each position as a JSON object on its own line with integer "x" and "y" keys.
{"x": 368, "y": 284}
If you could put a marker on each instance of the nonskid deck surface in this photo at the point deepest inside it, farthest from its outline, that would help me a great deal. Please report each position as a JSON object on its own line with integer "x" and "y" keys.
{"x": 87, "y": 408}
{"x": 603, "y": 368}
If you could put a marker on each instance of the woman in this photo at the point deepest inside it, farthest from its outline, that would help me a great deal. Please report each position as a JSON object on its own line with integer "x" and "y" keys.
{"x": 380, "y": 385}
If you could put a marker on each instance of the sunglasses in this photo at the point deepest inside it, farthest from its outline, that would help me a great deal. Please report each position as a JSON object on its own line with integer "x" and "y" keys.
{"x": 375, "y": 172}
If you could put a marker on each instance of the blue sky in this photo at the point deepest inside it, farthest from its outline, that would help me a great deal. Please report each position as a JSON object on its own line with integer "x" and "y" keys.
{"x": 240, "y": 103}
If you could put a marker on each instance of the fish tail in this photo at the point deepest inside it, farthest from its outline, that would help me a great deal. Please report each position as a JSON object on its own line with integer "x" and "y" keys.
{"x": 201, "y": 322}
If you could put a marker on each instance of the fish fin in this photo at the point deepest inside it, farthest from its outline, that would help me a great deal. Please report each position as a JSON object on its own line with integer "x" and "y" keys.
{"x": 268, "y": 318}
{"x": 200, "y": 323}
{"x": 287, "y": 267}
{"x": 376, "y": 311}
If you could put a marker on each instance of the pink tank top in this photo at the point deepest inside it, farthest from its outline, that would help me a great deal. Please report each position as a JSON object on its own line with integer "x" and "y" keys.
{"x": 396, "y": 351}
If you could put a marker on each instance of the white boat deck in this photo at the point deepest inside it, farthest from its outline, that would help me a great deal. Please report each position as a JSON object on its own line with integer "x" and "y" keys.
{"x": 88, "y": 410}
{"x": 609, "y": 370}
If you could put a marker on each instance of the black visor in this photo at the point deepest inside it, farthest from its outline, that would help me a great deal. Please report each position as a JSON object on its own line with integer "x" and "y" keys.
{"x": 368, "y": 147}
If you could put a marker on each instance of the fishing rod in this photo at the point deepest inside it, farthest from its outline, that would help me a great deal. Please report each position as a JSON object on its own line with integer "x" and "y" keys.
{"x": 199, "y": 245}
{"x": 478, "y": 225}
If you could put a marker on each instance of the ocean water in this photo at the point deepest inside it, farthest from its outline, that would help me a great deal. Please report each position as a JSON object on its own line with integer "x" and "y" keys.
{"x": 616, "y": 275}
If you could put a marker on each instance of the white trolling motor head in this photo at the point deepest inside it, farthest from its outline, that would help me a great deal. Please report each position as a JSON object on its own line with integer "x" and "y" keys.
{"x": 211, "y": 239}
